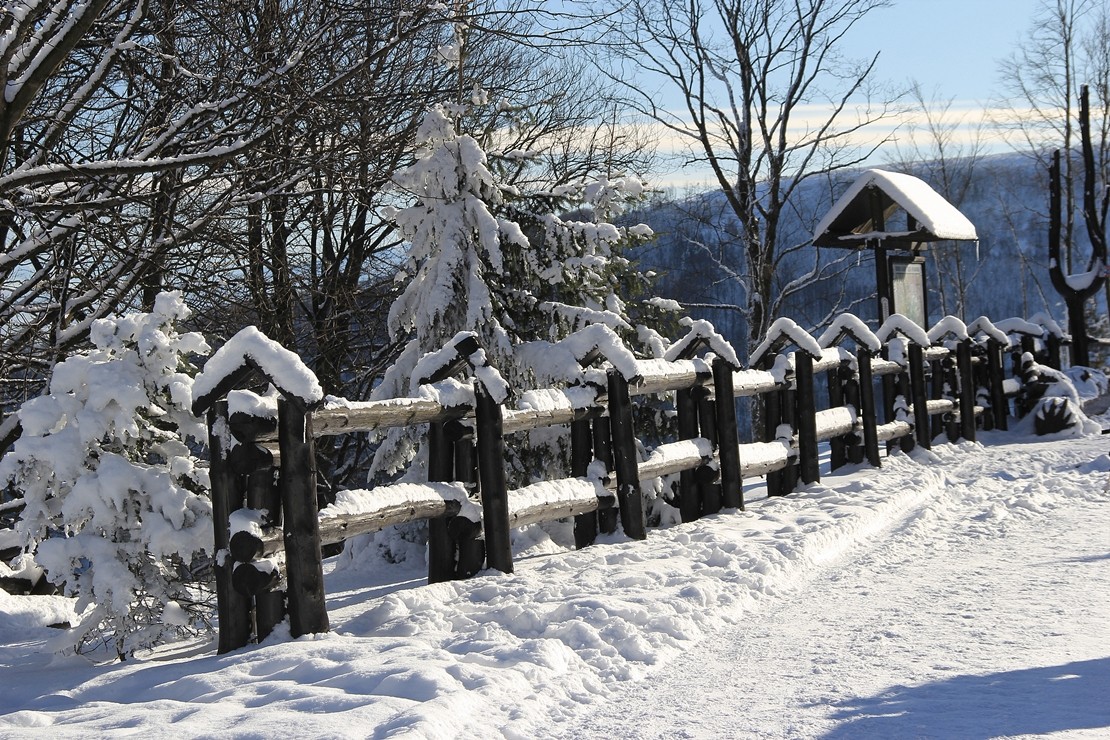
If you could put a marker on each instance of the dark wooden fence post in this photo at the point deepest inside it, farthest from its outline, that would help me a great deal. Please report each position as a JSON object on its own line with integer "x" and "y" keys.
{"x": 491, "y": 477}
{"x": 952, "y": 393}
{"x": 689, "y": 497}
{"x": 441, "y": 467}
{"x": 465, "y": 533}
{"x": 838, "y": 380}
{"x": 262, "y": 495}
{"x": 629, "y": 497}
{"x": 707, "y": 475}
{"x": 603, "y": 450}
{"x": 967, "y": 390}
{"x": 999, "y": 403}
{"x": 916, "y": 356}
{"x": 581, "y": 454}
{"x": 234, "y": 608}
{"x": 303, "y": 562}
{"x": 808, "y": 462}
{"x": 732, "y": 495}
{"x": 867, "y": 411}
{"x": 772, "y": 419}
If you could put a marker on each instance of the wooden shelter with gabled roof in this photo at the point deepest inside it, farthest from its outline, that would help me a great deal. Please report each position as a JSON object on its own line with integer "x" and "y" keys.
{"x": 861, "y": 219}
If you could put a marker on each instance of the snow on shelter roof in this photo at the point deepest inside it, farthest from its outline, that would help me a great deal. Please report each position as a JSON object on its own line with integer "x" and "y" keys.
{"x": 853, "y": 219}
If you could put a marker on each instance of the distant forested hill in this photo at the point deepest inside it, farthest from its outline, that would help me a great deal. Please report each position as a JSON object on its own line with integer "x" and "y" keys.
{"x": 1006, "y": 274}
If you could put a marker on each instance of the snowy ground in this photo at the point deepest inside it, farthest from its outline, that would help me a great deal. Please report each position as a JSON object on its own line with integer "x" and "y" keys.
{"x": 959, "y": 593}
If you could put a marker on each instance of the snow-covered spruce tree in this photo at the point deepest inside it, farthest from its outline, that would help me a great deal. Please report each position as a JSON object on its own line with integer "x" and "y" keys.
{"x": 116, "y": 507}
{"x": 472, "y": 267}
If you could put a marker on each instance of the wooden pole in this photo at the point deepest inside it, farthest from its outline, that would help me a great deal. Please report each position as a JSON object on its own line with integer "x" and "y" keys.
{"x": 732, "y": 492}
{"x": 838, "y": 379}
{"x": 689, "y": 498}
{"x": 999, "y": 403}
{"x": 307, "y": 610}
{"x": 441, "y": 467}
{"x": 269, "y": 605}
{"x": 808, "y": 462}
{"x": 629, "y": 497}
{"x": 709, "y": 490}
{"x": 916, "y": 357}
{"x": 471, "y": 548}
{"x": 772, "y": 418}
{"x": 491, "y": 477}
{"x": 603, "y": 451}
{"x": 967, "y": 390}
{"x": 867, "y": 411}
{"x": 233, "y": 608}
{"x": 581, "y": 454}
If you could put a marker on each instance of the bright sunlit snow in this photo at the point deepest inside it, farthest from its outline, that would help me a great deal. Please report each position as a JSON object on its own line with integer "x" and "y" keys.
{"x": 961, "y": 592}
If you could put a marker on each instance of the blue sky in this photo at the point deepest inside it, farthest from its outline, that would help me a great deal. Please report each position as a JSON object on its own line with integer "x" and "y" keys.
{"x": 951, "y": 45}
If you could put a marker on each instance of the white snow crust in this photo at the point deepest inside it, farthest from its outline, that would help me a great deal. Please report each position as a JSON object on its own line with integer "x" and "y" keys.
{"x": 281, "y": 365}
{"x": 960, "y": 592}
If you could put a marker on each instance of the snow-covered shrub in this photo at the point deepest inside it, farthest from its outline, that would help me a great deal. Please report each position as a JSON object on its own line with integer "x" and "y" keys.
{"x": 116, "y": 506}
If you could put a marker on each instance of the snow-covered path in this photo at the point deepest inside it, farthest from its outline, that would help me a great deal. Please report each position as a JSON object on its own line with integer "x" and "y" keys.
{"x": 963, "y": 620}
{"x": 959, "y": 593}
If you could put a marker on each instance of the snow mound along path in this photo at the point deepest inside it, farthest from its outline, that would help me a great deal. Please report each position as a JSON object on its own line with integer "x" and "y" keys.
{"x": 512, "y": 654}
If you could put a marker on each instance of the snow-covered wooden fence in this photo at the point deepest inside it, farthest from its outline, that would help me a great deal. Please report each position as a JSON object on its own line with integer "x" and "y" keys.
{"x": 269, "y": 533}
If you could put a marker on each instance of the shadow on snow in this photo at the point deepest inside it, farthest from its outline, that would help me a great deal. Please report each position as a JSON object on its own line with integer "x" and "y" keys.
{"x": 1028, "y": 701}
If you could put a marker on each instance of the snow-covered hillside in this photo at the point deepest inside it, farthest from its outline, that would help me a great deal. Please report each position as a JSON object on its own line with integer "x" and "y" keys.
{"x": 1005, "y": 275}
{"x": 959, "y": 592}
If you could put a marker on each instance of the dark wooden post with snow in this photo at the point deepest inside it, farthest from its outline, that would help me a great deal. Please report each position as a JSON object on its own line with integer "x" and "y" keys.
{"x": 706, "y": 475}
{"x": 442, "y": 553}
{"x": 689, "y": 495}
{"x": 967, "y": 390}
{"x": 728, "y": 439}
{"x": 916, "y": 356}
{"x": 625, "y": 459}
{"x": 995, "y": 368}
{"x": 581, "y": 454}
{"x": 301, "y": 526}
{"x": 839, "y": 379}
{"x": 491, "y": 477}
{"x": 603, "y": 450}
{"x": 808, "y": 463}
{"x": 234, "y": 608}
{"x": 867, "y": 411}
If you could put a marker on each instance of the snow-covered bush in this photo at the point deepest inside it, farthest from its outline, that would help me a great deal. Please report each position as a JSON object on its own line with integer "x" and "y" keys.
{"x": 116, "y": 507}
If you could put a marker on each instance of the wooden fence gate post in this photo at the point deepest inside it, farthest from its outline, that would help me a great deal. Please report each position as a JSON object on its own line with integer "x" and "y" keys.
{"x": 916, "y": 355}
{"x": 307, "y": 610}
{"x": 234, "y": 608}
